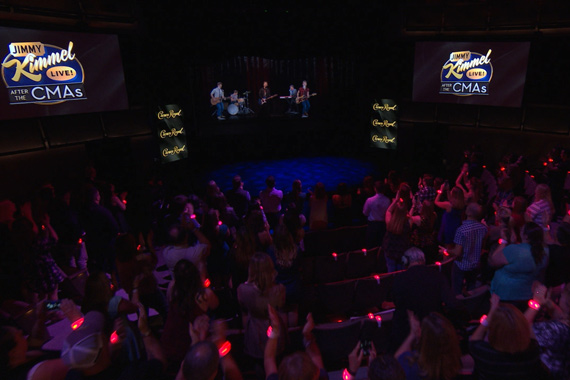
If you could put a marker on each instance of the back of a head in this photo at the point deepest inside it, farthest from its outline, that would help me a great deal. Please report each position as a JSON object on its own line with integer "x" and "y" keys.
{"x": 385, "y": 367}
{"x": 270, "y": 181}
{"x": 201, "y": 361}
{"x": 473, "y": 211}
{"x": 236, "y": 182}
{"x": 298, "y": 366}
{"x": 177, "y": 235}
{"x": 415, "y": 256}
{"x": 261, "y": 271}
{"x": 440, "y": 353}
{"x": 187, "y": 280}
{"x": 297, "y": 185}
{"x": 457, "y": 197}
{"x": 379, "y": 187}
{"x": 509, "y": 330}
{"x": 428, "y": 179}
{"x": 320, "y": 192}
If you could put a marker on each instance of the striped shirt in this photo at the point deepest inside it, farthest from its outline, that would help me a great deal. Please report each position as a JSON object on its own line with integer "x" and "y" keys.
{"x": 470, "y": 236}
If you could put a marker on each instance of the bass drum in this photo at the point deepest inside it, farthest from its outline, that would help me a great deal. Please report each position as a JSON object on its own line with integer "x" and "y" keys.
{"x": 232, "y": 109}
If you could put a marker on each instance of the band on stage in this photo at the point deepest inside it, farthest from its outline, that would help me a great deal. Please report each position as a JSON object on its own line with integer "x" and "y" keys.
{"x": 239, "y": 104}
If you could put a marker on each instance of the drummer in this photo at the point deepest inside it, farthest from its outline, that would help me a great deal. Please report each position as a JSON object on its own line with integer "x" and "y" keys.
{"x": 234, "y": 97}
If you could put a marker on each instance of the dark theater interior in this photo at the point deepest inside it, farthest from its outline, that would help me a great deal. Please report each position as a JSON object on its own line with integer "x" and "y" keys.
{"x": 284, "y": 190}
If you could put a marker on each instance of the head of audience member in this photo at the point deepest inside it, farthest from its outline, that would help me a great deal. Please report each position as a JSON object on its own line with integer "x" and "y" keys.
{"x": 181, "y": 204}
{"x": 261, "y": 271}
{"x": 541, "y": 192}
{"x": 439, "y": 351}
{"x": 509, "y": 331}
{"x": 13, "y": 348}
{"x": 87, "y": 349}
{"x": 258, "y": 228}
{"x": 93, "y": 195}
{"x": 533, "y": 234}
{"x": 270, "y": 182}
{"x": 457, "y": 198}
{"x": 437, "y": 182}
{"x": 427, "y": 212}
{"x": 427, "y": 180}
{"x": 368, "y": 185}
{"x": 519, "y": 205}
{"x": 473, "y": 211}
{"x": 298, "y": 366}
{"x": 385, "y": 367}
{"x": 285, "y": 247}
{"x": 178, "y": 236}
{"x": 379, "y": 187}
{"x": 297, "y": 186}
{"x": 320, "y": 192}
{"x": 237, "y": 182}
{"x": 399, "y": 218}
{"x": 342, "y": 189}
{"x": 414, "y": 256}
{"x": 98, "y": 292}
{"x": 211, "y": 226}
{"x": 187, "y": 286}
{"x": 212, "y": 189}
{"x": 201, "y": 362}
{"x": 294, "y": 221}
{"x": 244, "y": 246}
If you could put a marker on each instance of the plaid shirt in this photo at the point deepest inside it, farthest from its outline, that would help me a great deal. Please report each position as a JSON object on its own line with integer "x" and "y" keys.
{"x": 470, "y": 237}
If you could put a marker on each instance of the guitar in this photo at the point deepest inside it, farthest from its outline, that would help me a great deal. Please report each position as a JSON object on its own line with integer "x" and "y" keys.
{"x": 303, "y": 98}
{"x": 214, "y": 101}
{"x": 262, "y": 101}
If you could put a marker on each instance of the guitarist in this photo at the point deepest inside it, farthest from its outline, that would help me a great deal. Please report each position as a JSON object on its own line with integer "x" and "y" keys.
{"x": 216, "y": 98}
{"x": 264, "y": 96}
{"x": 303, "y": 96}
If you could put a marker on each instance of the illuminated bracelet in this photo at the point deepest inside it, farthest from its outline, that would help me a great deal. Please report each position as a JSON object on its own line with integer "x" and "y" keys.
{"x": 224, "y": 348}
{"x": 272, "y": 334}
{"x": 503, "y": 241}
{"x": 533, "y": 305}
{"x": 484, "y": 320}
{"x": 346, "y": 375}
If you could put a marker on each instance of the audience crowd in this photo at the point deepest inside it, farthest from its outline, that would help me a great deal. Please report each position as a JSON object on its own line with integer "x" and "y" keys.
{"x": 234, "y": 261}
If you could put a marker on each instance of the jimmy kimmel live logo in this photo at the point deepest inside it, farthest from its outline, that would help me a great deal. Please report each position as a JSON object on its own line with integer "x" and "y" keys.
{"x": 42, "y": 74}
{"x": 466, "y": 73}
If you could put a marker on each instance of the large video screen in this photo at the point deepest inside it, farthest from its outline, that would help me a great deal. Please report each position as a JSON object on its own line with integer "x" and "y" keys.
{"x": 47, "y": 73}
{"x": 482, "y": 73}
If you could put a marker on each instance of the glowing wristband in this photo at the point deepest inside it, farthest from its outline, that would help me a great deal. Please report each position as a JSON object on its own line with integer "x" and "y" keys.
{"x": 77, "y": 324}
{"x": 484, "y": 320}
{"x": 346, "y": 375}
{"x": 533, "y": 305}
{"x": 271, "y": 334}
{"x": 503, "y": 241}
{"x": 224, "y": 348}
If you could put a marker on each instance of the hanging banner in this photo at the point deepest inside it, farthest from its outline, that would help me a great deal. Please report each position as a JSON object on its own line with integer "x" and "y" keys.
{"x": 171, "y": 133}
{"x": 384, "y": 124}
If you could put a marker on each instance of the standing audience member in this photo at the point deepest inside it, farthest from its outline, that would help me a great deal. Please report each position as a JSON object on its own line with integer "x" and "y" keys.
{"x": 518, "y": 265}
{"x": 426, "y": 192}
{"x": 254, "y": 296}
{"x": 423, "y": 233}
{"x": 375, "y": 211}
{"x": 454, "y": 208}
{"x": 271, "y": 201}
{"x": 469, "y": 240}
{"x": 542, "y": 209}
{"x": 342, "y": 206}
{"x": 318, "y": 203}
{"x": 397, "y": 237}
{"x": 238, "y": 198}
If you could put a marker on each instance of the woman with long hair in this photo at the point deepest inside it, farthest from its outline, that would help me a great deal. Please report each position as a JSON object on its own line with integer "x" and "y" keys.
{"x": 542, "y": 209}
{"x": 437, "y": 355}
{"x": 397, "y": 237}
{"x": 318, "y": 202}
{"x": 254, "y": 295}
{"x": 518, "y": 264}
{"x": 188, "y": 299}
{"x": 504, "y": 346}
{"x": 423, "y": 234}
{"x": 287, "y": 260}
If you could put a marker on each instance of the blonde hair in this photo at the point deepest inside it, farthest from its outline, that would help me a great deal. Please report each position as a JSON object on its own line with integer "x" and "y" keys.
{"x": 262, "y": 271}
{"x": 398, "y": 219}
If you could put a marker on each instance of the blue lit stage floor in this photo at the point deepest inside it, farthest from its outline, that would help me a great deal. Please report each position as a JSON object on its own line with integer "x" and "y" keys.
{"x": 310, "y": 170}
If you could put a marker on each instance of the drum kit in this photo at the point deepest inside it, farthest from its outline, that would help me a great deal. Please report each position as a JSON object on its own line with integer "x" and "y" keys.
{"x": 240, "y": 107}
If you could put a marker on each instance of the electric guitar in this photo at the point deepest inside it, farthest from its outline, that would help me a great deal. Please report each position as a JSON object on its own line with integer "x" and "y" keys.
{"x": 214, "y": 101}
{"x": 304, "y": 97}
{"x": 262, "y": 101}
